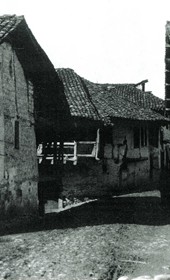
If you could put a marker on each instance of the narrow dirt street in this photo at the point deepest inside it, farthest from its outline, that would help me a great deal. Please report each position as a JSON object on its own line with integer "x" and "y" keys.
{"x": 102, "y": 240}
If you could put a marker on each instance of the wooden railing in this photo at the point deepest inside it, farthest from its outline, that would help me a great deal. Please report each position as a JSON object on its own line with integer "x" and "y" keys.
{"x": 73, "y": 154}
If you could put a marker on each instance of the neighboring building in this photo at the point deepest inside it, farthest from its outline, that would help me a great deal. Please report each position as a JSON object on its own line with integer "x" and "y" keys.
{"x": 167, "y": 68}
{"x": 115, "y": 140}
{"x": 166, "y": 131}
{"x": 28, "y": 111}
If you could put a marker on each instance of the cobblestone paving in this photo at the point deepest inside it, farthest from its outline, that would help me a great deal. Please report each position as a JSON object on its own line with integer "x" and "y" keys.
{"x": 128, "y": 236}
{"x": 56, "y": 254}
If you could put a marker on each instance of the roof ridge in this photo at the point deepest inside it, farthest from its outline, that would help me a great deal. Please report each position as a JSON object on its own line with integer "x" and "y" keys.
{"x": 9, "y": 16}
{"x": 65, "y": 68}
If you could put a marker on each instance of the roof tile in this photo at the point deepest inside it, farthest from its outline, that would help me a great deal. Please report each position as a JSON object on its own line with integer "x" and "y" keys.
{"x": 76, "y": 96}
{"x": 7, "y": 24}
{"x": 109, "y": 101}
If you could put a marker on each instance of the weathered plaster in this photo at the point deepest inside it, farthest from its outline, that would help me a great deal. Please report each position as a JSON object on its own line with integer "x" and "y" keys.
{"x": 108, "y": 176}
{"x": 19, "y": 172}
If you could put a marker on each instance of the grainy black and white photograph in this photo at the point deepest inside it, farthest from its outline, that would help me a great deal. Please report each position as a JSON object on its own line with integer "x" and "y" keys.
{"x": 85, "y": 140}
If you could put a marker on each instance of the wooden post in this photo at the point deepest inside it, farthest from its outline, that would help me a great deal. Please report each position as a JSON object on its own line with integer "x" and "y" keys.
{"x": 75, "y": 153}
{"x": 97, "y": 144}
{"x": 159, "y": 149}
{"x": 55, "y": 158}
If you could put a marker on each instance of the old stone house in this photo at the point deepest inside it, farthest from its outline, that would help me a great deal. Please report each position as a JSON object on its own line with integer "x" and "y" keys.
{"x": 114, "y": 143}
{"x": 28, "y": 111}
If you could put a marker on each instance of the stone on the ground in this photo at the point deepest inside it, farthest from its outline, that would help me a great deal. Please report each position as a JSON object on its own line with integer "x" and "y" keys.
{"x": 123, "y": 278}
{"x": 143, "y": 277}
{"x": 147, "y": 277}
{"x": 162, "y": 277}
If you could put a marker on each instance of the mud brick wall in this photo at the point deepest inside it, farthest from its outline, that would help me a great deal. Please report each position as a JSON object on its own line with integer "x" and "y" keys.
{"x": 19, "y": 172}
{"x": 91, "y": 178}
{"x": 87, "y": 178}
{"x": 137, "y": 173}
{"x": 136, "y": 176}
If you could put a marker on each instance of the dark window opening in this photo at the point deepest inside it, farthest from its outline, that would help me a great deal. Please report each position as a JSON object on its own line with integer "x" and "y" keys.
{"x": 140, "y": 137}
{"x": 153, "y": 137}
{"x": 10, "y": 67}
{"x": 16, "y": 134}
{"x": 136, "y": 135}
{"x": 143, "y": 137}
{"x": 146, "y": 138}
{"x": 167, "y": 91}
{"x": 107, "y": 135}
{"x": 168, "y": 104}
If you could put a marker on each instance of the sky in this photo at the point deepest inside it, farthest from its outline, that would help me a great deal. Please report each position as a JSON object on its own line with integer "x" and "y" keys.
{"x": 105, "y": 41}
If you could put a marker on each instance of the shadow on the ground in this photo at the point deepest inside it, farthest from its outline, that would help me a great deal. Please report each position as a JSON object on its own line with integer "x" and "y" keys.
{"x": 125, "y": 210}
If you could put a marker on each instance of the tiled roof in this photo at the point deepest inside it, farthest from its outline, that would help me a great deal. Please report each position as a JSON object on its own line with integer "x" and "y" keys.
{"x": 130, "y": 93}
{"x": 7, "y": 24}
{"x": 115, "y": 105}
{"x": 79, "y": 102}
{"x": 108, "y": 101}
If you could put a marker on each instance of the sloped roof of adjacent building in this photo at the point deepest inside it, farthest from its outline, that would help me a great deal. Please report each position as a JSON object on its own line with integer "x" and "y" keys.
{"x": 109, "y": 101}
{"x": 78, "y": 98}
